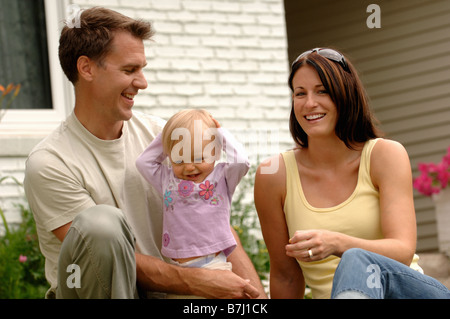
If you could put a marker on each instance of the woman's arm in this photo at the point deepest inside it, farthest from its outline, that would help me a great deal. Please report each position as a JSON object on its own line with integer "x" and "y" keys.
{"x": 391, "y": 175}
{"x": 286, "y": 277}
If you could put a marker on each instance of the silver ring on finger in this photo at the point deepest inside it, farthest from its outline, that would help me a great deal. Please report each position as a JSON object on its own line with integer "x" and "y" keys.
{"x": 310, "y": 253}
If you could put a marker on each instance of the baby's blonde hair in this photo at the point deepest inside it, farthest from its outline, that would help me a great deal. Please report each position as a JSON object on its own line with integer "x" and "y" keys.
{"x": 184, "y": 119}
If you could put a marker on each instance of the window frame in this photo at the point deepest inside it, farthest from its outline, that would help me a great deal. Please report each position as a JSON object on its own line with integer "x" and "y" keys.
{"x": 37, "y": 123}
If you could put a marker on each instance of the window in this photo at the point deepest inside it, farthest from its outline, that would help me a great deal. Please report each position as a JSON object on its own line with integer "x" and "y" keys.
{"x": 24, "y": 52}
{"x": 46, "y": 96}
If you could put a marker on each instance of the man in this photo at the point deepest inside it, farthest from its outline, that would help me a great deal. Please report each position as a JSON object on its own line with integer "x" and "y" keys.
{"x": 99, "y": 223}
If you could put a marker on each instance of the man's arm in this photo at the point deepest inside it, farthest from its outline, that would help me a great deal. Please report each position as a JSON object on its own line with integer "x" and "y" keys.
{"x": 243, "y": 267}
{"x": 156, "y": 275}
{"x": 61, "y": 232}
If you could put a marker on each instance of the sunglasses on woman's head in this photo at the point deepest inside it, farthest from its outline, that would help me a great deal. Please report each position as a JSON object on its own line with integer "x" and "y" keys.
{"x": 330, "y": 54}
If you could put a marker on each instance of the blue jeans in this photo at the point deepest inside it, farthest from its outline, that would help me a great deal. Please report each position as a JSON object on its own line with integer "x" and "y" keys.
{"x": 363, "y": 274}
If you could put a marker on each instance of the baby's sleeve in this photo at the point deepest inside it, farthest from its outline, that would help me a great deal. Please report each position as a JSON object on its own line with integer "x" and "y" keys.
{"x": 237, "y": 162}
{"x": 150, "y": 164}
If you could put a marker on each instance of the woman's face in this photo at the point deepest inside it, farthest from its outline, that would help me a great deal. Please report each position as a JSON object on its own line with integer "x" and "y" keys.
{"x": 314, "y": 110}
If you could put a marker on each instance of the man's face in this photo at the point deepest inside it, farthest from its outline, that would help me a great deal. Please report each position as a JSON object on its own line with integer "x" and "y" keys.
{"x": 119, "y": 78}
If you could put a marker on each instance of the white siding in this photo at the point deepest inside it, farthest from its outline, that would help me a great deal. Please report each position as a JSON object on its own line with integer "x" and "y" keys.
{"x": 11, "y": 194}
{"x": 405, "y": 66}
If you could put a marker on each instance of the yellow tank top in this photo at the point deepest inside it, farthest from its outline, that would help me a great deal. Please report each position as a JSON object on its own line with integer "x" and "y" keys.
{"x": 358, "y": 216}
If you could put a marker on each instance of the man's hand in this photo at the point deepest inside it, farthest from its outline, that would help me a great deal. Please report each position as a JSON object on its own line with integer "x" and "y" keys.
{"x": 224, "y": 284}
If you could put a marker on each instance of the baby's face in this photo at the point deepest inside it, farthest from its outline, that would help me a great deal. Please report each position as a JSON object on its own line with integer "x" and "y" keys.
{"x": 196, "y": 172}
{"x": 199, "y": 166}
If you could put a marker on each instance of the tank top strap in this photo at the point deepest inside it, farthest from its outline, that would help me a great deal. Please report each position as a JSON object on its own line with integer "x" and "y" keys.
{"x": 291, "y": 166}
{"x": 364, "y": 170}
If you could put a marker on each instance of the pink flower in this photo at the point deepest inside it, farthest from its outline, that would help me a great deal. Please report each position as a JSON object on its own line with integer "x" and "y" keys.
{"x": 207, "y": 190}
{"x": 185, "y": 188}
{"x": 423, "y": 167}
{"x": 433, "y": 177}
{"x": 22, "y": 258}
{"x": 166, "y": 239}
{"x": 443, "y": 174}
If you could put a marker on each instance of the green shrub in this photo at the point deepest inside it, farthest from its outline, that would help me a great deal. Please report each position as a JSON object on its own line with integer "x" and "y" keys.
{"x": 244, "y": 220}
{"x": 22, "y": 274}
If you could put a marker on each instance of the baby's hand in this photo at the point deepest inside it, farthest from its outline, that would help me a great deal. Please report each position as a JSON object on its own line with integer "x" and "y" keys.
{"x": 215, "y": 122}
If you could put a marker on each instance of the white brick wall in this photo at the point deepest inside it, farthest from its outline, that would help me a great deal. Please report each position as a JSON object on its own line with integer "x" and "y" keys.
{"x": 227, "y": 56}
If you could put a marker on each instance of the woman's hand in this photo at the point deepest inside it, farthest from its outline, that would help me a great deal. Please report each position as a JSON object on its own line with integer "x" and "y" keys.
{"x": 312, "y": 245}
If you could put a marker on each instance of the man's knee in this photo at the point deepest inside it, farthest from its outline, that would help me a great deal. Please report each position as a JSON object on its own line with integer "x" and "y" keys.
{"x": 102, "y": 229}
{"x": 102, "y": 222}
{"x": 101, "y": 244}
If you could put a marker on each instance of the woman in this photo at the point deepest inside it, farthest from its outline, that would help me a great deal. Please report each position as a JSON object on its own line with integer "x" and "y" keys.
{"x": 343, "y": 187}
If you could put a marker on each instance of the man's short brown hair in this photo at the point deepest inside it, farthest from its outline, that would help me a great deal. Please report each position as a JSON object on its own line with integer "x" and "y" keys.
{"x": 93, "y": 37}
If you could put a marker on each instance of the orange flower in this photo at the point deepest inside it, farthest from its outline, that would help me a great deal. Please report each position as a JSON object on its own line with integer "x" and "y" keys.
{"x": 5, "y": 92}
{"x": 16, "y": 92}
{"x": 9, "y": 88}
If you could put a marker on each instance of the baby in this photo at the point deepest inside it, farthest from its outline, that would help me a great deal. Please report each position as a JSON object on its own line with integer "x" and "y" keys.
{"x": 196, "y": 192}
